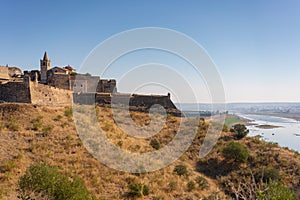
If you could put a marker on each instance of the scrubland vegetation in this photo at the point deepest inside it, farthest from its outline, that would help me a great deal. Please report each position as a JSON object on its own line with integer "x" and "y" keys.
{"x": 42, "y": 157}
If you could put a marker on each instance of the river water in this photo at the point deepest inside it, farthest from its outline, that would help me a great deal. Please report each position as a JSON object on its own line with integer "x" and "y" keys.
{"x": 286, "y": 135}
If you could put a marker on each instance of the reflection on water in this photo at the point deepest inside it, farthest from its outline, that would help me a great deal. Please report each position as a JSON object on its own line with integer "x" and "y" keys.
{"x": 287, "y": 135}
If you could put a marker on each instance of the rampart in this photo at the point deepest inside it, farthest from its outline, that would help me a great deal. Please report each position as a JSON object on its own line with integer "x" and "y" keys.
{"x": 35, "y": 93}
{"x": 49, "y": 96}
{"x": 15, "y": 92}
{"x": 28, "y": 91}
{"x": 4, "y": 73}
{"x": 136, "y": 102}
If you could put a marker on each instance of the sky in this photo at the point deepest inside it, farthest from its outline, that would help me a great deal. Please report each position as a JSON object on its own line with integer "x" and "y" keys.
{"x": 255, "y": 45}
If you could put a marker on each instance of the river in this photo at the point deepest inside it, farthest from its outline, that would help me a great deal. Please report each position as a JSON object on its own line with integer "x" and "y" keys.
{"x": 286, "y": 135}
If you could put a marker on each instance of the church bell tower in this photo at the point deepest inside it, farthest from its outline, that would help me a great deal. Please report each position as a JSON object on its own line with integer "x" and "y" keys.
{"x": 45, "y": 66}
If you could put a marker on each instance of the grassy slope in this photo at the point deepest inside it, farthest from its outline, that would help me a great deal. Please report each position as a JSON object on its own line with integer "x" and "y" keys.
{"x": 231, "y": 120}
{"x": 59, "y": 145}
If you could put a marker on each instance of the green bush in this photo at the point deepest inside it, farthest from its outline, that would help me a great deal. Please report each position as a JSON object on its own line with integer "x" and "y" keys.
{"x": 138, "y": 190}
{"x": 213, "y": 196}
{"x": 180, "y": 170}
{"x": 276, "y": 191}
{"x": 7, "y": 166}
{"x": 270, "y": 174}
{"x": 46, "y": 180}
{"x": 155, "y": 144}
{"x": 172, "y": 186}
{"x": 37, "y": 123}
{"x": 191, "y": 186}
{"x": 235, "y": 151}
{"x": 48, "y": 129}
{"x": 58, "y": 118}
{"x": 68, "y": 112}
{"x": 202, "y": 182}
{"x": 240, "y": 131}
{"x": 13, "y": 126}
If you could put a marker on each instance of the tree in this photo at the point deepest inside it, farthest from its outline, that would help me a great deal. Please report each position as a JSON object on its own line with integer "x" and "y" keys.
{"x": 235, "y": 151}
{"x": 240, "y": 130}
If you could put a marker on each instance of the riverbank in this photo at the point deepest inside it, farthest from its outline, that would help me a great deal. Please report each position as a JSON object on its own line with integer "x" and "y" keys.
{"x": 275, "y": 129}
{"x": 295, "y": 116}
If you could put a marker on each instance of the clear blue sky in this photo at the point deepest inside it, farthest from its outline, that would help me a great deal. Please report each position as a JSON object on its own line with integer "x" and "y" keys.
{"x": 255, "y": 44}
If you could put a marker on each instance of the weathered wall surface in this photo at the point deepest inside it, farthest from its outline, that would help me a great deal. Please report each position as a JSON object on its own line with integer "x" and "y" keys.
{"x": 136, "y": 102}
{"x": 49, "y": 96}
{"x": 84, "y": 98}
{"x": 58, "y": 80}
{"x": 4, "y": 73}
{"x": 149, "y": 100}
{"x": 84, "y": 83}
{"x": 15, "y": 92}
{"x": 107, "y": 86}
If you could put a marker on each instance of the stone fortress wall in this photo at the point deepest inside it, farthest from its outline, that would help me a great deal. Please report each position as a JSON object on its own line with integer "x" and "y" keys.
{"x": 63, "y": 86}
{"x": 29, "y": 91}
{"x": 4, "y": 73}
{"x": 49, "y": 96}
{"x": 33, "y": 92}
{"x": 15, "y": 92}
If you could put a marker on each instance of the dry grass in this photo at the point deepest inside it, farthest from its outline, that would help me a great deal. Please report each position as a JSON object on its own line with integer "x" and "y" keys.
{"x": 61, "y": 147}
{"x": 56, "y": 142}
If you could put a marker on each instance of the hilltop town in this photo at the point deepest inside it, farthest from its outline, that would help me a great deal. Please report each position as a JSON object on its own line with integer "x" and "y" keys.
{"x": 60, "y": 86}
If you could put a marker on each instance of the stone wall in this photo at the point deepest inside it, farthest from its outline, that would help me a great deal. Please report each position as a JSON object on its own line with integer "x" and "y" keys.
{"x": 149, "y": 100}
{"x": 4, "y": 73}
{"x": 15, "y": 92}
{"x": 49, "y": 96}
{"x": 58, "y": 80}
{"x": 84, "y": 98}
{"x": 84, "y": 83}
{"x": 108, "y": 86}
{"x": 136, "y": 102}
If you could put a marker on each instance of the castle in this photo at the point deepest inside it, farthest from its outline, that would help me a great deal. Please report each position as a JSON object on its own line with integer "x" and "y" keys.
{"x": 60, "y": 86}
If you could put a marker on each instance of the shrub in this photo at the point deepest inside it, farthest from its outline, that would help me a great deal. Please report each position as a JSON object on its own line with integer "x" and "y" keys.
{"x": 13, "y": 126}
{"x": 235, "y": 151}
{"x": 240, "y": 131}
{"x": 68, "y": 112}
{"x": 138, "y": 190}
{"x": 172, "y": 186}
{"x": 180, "y": 170}
{"x": 213, "y": 196}
{"x": 7, "y": 166}
{"x": 155, "y": 144}
{"x": 58, "y": 118}
{"x": 37, "y": 123}
{"x": 46, "y": 180}
{"x": 270, "y": 174}
{"x": 191, "y": 186}
{"x": 47, "y": 129}
{"x": 276, "y": 191}
{"x": 202, "y": 183}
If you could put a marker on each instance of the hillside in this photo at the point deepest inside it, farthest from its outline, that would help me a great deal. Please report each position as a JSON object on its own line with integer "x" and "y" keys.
{"x": 32, "y": 134}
